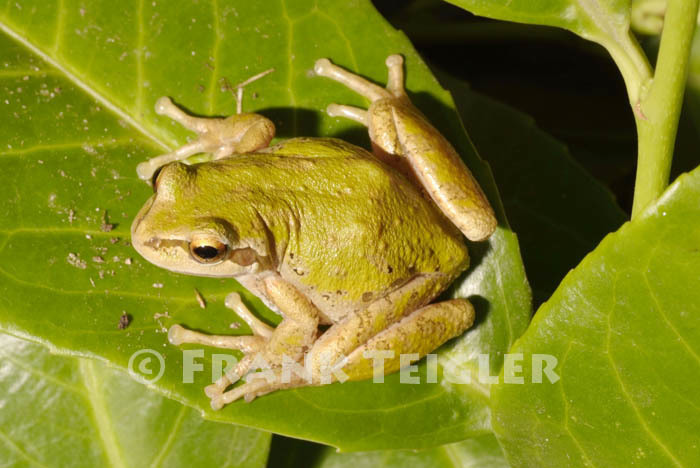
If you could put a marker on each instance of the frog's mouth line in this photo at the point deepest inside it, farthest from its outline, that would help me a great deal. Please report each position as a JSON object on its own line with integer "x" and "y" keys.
{"x": 160, "y": 244}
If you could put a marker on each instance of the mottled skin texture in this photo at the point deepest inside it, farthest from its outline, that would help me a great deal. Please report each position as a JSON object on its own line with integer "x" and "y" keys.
{"x": 322, "y": 231}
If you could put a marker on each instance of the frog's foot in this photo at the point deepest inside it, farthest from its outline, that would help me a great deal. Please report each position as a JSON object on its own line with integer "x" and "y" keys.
{"x": 220, "y": 137}
{"x": 373, "y": 92}
{"x": 256, "y": 386}
{"x": 250, "y": 345}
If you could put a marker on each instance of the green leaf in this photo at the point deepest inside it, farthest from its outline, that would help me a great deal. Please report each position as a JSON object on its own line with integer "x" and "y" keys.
{"x": 59, "y": 411}
{"x": 79, "y": 83}
{"x": 481, "y": 452}
{"x": 606, "y": 22}
{"x": 625, "y": 328}
{"x": 558, "y": 210}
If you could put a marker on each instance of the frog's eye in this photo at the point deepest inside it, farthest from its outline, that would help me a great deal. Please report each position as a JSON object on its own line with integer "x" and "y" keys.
{"x": 207, "y": 249}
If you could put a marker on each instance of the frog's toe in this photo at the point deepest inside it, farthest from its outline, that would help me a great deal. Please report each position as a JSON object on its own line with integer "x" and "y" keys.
{"x": 349, "y": 112}
{"x": 322, "y": 66}
{"x": 212, "y": 390}
{"x": 175, "y": 335}
{"x": 394, "y": 60}
{"x": 248, "y": 391}
{"x": 216, "y": 403}
{"x": 395, "y": 81}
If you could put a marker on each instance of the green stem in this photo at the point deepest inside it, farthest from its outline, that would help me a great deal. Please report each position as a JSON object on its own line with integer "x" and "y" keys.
{"x": 658, "y": 111}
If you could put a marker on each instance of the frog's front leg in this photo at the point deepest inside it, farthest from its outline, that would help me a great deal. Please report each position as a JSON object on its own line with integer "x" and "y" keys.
{"x": 403, "y": 137}
{"x": 240, "y": 133}
{"x": 291, "y": 339}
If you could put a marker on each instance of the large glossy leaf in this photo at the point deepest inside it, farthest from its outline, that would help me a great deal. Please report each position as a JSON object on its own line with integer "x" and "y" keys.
{"x": 625, "y": 328}
{"x": 80, "y": 81}
{"x": 559, "y": 211}
{"x": 62, "y": 411}
{"x": 606, "y": 22}
{"x": 603, "y": 21}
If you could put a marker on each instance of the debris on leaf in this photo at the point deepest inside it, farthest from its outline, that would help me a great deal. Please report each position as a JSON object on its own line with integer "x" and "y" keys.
{"x": 75, "y": 260}
{"x": 106, "y": 226}
{"x": 200, "y": 299}
{"x": 124, "y": 321}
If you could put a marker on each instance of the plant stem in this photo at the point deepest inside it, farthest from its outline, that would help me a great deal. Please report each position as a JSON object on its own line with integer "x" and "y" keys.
{"x": 658, "y": 112}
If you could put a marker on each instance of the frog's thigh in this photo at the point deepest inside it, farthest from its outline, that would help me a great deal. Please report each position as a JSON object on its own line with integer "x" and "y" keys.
{"x": 355, "y": 330}
{"x": 418, "y": 333}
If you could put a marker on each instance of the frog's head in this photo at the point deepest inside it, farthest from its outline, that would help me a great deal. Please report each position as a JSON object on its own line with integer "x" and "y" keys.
{"x": 181, "y": 228}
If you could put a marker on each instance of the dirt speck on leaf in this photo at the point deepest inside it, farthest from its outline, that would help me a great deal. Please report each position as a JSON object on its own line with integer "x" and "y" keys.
{"x": 75, "y": 260}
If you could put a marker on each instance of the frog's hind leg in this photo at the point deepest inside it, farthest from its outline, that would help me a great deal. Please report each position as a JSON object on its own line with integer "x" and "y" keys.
{"x": 349, "y": 112}
{"x": 373, "y": 92}
{"x": 386, "y": 325}
{"x": 417, "y": 334}
{"x": 394, "y": 84}
{"x": 338, "y": 341}
{"x": 404, "y": 138}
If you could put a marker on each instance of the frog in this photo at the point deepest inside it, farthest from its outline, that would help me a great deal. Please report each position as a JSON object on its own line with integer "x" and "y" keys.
{"x": 350, "y": 247}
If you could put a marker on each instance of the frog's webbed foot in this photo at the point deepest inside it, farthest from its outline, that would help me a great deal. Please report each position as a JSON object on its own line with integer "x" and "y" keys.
{"x": 239, "y": 133}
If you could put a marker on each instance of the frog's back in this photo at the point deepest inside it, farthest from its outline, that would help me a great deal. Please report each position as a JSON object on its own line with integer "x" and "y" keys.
{"x": 346, "y": 226}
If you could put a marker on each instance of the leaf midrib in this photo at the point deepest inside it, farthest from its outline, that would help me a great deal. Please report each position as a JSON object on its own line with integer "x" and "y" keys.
{"x": 103, "y": 423}
{"x": 82, "y": 85}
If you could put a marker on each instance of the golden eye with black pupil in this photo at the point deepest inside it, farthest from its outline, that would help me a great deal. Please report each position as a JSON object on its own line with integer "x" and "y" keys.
{"x": 206, "y": 249}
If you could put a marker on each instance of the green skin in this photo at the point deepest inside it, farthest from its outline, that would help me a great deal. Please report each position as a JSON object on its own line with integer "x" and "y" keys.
{"x": 333, "y": 220}
{"x": 321, "y": 230}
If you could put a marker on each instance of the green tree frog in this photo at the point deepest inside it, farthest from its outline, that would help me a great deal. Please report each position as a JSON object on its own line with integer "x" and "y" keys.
{"x": 327, "y": 234}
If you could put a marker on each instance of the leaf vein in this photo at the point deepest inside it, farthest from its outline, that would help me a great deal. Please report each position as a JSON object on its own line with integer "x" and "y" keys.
{"x": 168, "y": 444}
{"x": 17, "y": 449}
{"x": 623, "y": 389}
